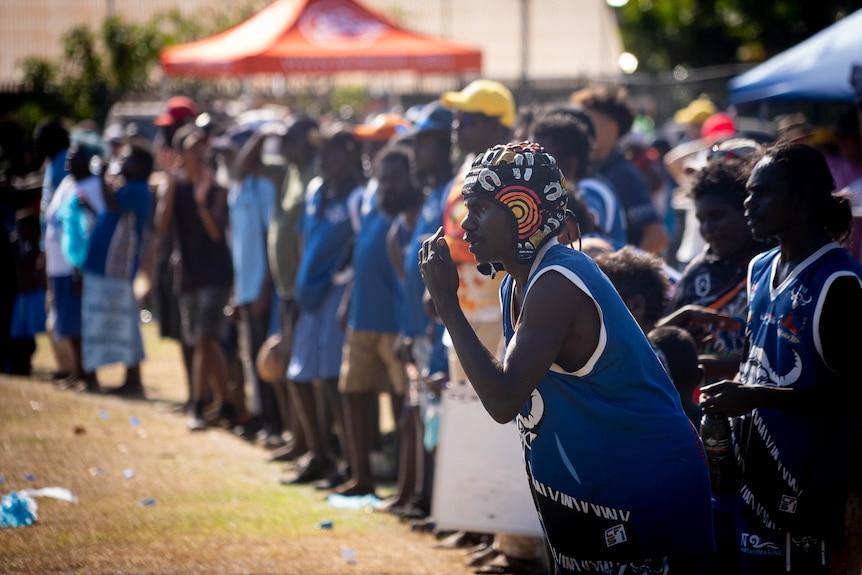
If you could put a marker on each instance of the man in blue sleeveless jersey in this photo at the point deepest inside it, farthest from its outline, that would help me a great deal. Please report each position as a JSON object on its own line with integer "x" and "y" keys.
{"x": 796, "y": 436}
{"x": 615, "y": 467}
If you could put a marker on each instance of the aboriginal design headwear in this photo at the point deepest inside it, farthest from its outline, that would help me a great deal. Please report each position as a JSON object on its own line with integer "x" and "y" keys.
{"x": 526, "y": 180}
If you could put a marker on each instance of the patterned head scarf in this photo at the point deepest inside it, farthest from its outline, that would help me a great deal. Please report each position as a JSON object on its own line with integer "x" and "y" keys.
{"x": 527, "y": 181}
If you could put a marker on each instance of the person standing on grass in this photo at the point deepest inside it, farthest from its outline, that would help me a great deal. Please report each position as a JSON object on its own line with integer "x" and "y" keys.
{"x": 195, "y": 209}
{"x": 113, "y": 256}
{"x": 420, "y": 336}
{"x": 250, "y": 201}
{"x": 577, "y": 365}
{"x": 165, "y": 264}
{"x": 299, "y": 146}
{"x": 370, "y": 365}
{"x": 327, "y": 234}
{"x": 79, "y": 193}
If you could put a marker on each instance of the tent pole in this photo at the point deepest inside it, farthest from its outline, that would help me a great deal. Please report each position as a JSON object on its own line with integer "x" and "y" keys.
{"x": 525, "y": 51}
{"x": 163, "y": 87}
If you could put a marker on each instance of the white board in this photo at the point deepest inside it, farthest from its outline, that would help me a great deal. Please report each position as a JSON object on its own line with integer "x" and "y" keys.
{"x": 480, "y": 483}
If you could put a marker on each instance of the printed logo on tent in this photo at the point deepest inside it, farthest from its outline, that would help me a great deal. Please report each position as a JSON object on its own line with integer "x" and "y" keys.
{"x": 337, "y": 24}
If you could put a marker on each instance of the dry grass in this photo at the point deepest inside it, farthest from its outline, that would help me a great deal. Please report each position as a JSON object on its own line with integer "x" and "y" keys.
{"x": 219, "y": 507}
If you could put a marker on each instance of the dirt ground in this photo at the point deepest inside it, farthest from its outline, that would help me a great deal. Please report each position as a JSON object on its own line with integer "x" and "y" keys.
{"x": 154, "y": 498}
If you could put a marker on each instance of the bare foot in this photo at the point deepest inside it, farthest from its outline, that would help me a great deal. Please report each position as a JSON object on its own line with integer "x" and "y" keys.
{"x": 353, "y": 487}
{"x": 391, "y": 502}
{"x": 128, "y": 390}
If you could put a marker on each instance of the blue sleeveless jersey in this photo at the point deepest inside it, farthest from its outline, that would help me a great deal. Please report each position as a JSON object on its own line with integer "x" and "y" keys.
{"x": 616, "y": 468}
{"x": 795, "y": 468}
{"x": 327, "y": 232}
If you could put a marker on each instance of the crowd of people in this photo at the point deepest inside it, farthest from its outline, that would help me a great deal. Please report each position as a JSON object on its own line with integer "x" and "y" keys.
{"x": 308, "y": 267}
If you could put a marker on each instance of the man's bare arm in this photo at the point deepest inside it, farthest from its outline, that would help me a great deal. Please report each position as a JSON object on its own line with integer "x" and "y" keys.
{"x": 504, "y": 387}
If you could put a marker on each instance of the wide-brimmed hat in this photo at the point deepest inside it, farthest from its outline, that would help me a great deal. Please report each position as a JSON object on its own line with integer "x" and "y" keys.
{"x": 793, "y": 127}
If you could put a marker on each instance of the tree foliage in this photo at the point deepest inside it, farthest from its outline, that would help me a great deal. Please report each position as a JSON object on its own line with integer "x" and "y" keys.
{"x": 101, "y": 66}
{"x": 664, "y": 34}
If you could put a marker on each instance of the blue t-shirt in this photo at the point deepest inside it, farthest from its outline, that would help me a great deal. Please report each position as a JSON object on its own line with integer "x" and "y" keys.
{"x": 374, "y": 299}
{"x": 616, "y": 468}
{"x": 631, "y": 189}
{"x": 250, "y": 203}
{"x": 327, "y": 234}
{"x": 114, "y": 247}
{"x": 414, "y": 320}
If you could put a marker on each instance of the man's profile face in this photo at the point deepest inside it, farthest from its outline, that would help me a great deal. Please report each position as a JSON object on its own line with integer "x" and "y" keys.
{"x": 770, "y": 207}
{"x": 471, "y": 131}
{"x": 394, "y": 185}
{"x": 607, "y": 132}
{"x": 489, "y": 229}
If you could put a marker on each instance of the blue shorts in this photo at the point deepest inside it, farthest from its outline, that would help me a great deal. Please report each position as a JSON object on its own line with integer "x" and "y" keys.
{"x": 67, "y": 306}
{"x": 28, "y": 316}
{"x": 317, "y": 342}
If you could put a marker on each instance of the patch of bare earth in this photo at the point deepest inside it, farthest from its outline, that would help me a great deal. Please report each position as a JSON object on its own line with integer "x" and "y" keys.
{"x": 218, "y": 506}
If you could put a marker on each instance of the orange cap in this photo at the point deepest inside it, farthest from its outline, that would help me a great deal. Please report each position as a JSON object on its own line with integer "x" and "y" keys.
{"x": 379, "y": 129}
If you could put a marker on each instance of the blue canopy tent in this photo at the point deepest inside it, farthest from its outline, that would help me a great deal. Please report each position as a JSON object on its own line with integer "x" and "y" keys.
{"x": 817, "y": 69}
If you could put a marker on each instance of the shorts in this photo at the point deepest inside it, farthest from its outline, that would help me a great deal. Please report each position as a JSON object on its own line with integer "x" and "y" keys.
{"x": 66, "y": 306}
{"x": 202, "y": 313}
{"x": 369, "y": 364}
{"x": 765, "y": 551}
{"x": 317, "y": 342}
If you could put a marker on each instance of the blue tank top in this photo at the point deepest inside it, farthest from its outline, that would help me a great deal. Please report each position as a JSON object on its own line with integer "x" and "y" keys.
{"x": 796, "y": 468}
{"x": 616, "y": 468}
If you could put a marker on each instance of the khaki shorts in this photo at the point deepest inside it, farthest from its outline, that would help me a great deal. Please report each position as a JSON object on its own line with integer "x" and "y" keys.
{"x": 369, "y": 364}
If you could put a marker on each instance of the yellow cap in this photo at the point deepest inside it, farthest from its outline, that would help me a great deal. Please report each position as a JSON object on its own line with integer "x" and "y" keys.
{"x": 486, "y": 97}
{"x": 696, "y": 112}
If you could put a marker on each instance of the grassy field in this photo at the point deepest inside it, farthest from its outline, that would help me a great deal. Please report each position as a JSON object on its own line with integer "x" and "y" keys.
{"x": 218, "y": 505}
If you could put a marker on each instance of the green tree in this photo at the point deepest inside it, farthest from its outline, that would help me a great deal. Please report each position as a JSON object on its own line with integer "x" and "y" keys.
{"x": 697, "y": 33}
{"x": 100, "y": 67}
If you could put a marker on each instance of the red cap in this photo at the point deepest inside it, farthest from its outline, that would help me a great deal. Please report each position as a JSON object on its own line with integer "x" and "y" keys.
{"x": 178, "y": 108}
{"x": 718, "y": 127}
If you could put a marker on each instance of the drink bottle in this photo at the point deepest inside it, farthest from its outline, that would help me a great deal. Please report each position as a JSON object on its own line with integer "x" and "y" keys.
{"x": 717, "y": 440}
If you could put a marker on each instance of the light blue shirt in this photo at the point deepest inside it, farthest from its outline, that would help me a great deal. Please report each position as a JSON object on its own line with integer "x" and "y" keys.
{"x": 250, "y": 202}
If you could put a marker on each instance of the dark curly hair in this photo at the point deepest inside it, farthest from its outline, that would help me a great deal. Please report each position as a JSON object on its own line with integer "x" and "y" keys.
{"x": 571, "y": 131}
{"x": 724, "y": 178}
{"x": 609, "y": 100}
{"x": 635, "y": 272}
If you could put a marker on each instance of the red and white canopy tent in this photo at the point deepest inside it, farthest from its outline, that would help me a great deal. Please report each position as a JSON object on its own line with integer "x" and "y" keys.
{"x": 318, "y": 37}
